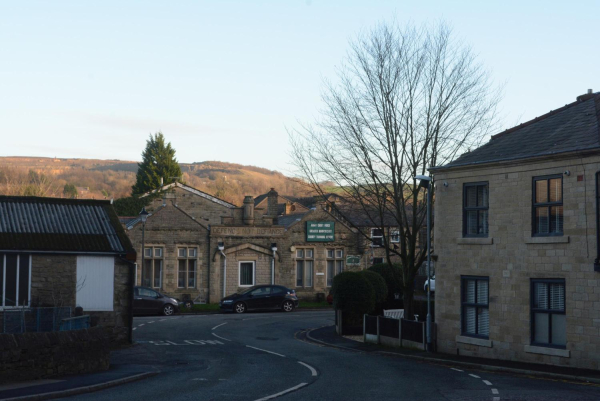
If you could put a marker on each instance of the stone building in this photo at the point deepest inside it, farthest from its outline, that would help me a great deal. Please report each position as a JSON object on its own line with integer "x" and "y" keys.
{"x": 201, "y": 247}
{"x": 516, "y": 237}
{"x": 67, "y": 253}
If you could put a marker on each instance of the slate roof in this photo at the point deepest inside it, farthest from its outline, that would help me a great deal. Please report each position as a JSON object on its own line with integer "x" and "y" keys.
{"x": 574, "y": 127}
{"x": 289, "y": 219}
{"x": 60, "y": 225}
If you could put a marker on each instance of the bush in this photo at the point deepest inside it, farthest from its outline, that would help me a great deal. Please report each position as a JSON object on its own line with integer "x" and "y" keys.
{"x": 393, "y": 280}
{"x": 379, "y": 285}
{"x": 353, "y": 293}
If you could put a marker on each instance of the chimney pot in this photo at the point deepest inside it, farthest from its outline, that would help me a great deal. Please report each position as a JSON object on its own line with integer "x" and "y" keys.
{"x": 248, "y": 210}
{"x": 590, "y": 91}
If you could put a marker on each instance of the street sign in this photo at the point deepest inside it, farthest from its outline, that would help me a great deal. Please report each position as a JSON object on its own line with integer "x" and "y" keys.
{"x": 320, "y": 231}
{"x": 352, "y": 260}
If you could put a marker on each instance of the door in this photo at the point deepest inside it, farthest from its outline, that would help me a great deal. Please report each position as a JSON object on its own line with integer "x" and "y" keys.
{"x": 259, "y": 298}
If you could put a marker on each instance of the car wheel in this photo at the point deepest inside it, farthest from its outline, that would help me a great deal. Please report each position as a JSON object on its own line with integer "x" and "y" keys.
{"x": 188, "y": 304}
{"x": 287, "y": 306}
{"x": 168, "y": 310}
{"x": 239, "y": 307}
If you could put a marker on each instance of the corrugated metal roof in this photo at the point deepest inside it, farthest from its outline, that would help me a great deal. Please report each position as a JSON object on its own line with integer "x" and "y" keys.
{"x": 30, "y": 223}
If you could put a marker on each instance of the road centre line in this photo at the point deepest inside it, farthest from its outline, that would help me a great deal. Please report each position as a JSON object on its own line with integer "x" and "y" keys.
{"x": 134, "y": 328}
{"x": 458, "y": 370}
{"x": 475, "y": 376}
{"x": 151, "y": 322}
{"x": 219, "y": 325}
{"x": 140, "y": 325}
{"x": 289, "y": 390}
{"x": 218, "y": 336}
{"x": 312, "y": 370}
{"x": 495, "y": 391}
{"x": 487, "y": 382}
{"x": 264, "y": 350}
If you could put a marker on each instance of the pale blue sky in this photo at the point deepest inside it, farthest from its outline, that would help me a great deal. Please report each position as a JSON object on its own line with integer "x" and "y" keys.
{"x": 223, "y": 79}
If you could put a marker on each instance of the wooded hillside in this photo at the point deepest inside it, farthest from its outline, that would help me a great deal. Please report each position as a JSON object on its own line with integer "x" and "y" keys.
{"x": 112, "y": 179}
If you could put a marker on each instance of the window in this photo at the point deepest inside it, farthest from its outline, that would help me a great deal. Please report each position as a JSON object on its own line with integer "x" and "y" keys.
{"x": 475, "y": 209}
{"x": 304, "y": 267}
{"x": 15, "y": 279}
{"x": 395, "y": 236}
{"x": 144, "y": 292}
{"x": 548, "y": 318}
{"x": 377, "y": 261}
{"x": 261, "y": 291}
{"x": 475, "y": 304}
{"x": 246, "y": 274}
{"x": 152, "y": 267}
{"x": 376, "y": 237}
{"x": 422, "y": 238}
{"x": 547, "y": 206}
{"x": 335, "y": 264}
{"x": 186, "y": 274}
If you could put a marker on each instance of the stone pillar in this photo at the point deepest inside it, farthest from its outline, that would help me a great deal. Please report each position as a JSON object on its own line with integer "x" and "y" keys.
{"x": 272, "y": 198}
{"x": 249, "y": 210}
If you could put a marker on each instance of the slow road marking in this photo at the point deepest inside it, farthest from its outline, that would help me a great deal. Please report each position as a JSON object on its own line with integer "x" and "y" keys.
{"x": 264, "y": 350}
{"x": 475, "y": 376}
{"x": 289, "y": 390}
{"x": 487, "y": 382}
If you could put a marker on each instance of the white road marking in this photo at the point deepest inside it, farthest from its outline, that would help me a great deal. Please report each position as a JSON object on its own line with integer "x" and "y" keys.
{"x": 218, "y": 336}
{"x": 264, "y": 350}
{"x": 151, "y": 322}
{"x": 162, "y": 320}
{"x": 200, "y": 379}
{"x": 495, "y": 391}
{"x": 219, "y": 325}
{"x": 475, "y": 376}
{"x": 134, "y": 328}
{"x": 289, "y": 390}
{"x": 312, "y": 370}
{"x": 140, "y": 325}
{"x": 487, "y": 382}
{"x": 458, "y": 370}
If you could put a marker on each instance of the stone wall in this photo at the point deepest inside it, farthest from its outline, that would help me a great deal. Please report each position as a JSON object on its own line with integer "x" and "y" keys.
{"x": 511, "y": 257}
{"x": 32, "y": 356}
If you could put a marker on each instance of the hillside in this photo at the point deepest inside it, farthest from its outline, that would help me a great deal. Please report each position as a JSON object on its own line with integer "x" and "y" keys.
{"x": 106, "y": 179}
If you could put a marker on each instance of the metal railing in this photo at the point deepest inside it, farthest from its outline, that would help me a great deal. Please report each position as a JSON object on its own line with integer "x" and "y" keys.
{"x": 34, "y": 320}
{"x": 75, "y": 323}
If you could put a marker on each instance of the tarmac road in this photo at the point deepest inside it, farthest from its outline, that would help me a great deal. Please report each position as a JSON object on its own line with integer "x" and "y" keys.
{"x": 262, "y": 356}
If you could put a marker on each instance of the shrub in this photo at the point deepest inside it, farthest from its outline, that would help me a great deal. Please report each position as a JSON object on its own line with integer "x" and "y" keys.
{"x": 353, "y": 293}
{"x": 379, "y": 285}
{"x": 393, "y": 280}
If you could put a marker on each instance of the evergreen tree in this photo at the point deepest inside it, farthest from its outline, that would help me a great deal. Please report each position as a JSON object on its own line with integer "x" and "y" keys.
{"x": 70, "y": 191}
{"x": 158, "y": 161}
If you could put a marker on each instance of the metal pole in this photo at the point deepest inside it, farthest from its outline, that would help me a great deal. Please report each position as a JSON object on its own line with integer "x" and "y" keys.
{"x": 143, "y": 246}
{"x": 430, "y": 186}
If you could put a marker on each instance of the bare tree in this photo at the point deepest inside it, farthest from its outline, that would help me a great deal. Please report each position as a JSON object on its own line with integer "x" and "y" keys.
{"x": 406, "y": 100}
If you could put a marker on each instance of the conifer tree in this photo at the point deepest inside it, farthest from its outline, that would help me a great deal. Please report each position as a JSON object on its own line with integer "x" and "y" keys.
{"x": 158, "y": 161}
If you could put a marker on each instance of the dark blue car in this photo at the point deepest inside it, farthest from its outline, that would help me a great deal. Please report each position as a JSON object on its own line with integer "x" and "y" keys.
{"x": 261, "y": 297}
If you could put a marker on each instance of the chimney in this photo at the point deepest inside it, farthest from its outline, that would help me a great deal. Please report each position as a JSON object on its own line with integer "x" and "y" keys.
{"x": 586, "y": 96}
{"x": 248, "y": 210}
{"x": 272, "y": 198}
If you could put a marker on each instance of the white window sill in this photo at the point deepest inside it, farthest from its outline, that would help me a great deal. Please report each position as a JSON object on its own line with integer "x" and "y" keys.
{"x": 474, "y": 341}
{"x": 532, "y": 349}
{"x": 564, "y": 239}
{"x": 475, "y": 241}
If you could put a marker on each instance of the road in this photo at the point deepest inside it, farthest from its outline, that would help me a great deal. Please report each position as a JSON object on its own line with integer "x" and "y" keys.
{"x": 261, "y": 356}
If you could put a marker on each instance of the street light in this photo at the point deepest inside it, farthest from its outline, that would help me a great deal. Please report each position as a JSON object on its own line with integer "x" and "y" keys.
{"x": 144, "y": 216}
{"x": 274, "y": 249}
{"x": 425, "y": 182}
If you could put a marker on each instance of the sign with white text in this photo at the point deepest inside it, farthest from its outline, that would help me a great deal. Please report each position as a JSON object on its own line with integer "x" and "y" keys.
{"x": 320, "y": 231}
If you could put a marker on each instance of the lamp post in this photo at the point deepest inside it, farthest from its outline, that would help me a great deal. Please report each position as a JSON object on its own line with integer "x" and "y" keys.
{"x": 144, "y": 216}
{"x": 274, "y": 249}
{"x": 425, "y": 182}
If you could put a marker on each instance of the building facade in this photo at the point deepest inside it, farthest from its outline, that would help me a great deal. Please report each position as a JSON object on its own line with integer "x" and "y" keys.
{"x": 516, "y": 237}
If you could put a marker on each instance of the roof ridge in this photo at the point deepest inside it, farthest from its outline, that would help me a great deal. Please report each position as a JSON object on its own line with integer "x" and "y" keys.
{"x": 579, "y": 100}
{"x": 48, "y": 199}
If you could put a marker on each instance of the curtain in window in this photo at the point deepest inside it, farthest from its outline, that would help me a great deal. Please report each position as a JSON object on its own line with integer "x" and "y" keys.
{"x": 246, "y": 274}
{"x": 309, "y": 273}
{"x": 157, "y": 272}
{"x": 147, "y": 273}
{"x": 330, "y": 272}
{"x": 191, "y": 274}
{"x": 299, "y": 273}
{"x": 181, "y": 273}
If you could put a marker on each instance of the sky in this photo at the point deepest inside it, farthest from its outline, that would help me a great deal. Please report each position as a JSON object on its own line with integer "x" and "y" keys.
{"x": 224, "y": 80}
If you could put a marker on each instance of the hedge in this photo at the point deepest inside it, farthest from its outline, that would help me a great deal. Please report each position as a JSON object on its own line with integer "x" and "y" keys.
{"x": 353, "y": 292}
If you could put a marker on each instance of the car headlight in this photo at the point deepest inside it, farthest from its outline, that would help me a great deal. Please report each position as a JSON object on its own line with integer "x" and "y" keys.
{"x": 227, "y": 301}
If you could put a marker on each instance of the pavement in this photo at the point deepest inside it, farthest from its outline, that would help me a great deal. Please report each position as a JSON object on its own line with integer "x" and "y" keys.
{"x": 328, "y": 336}
{"x": 293, "y": 356}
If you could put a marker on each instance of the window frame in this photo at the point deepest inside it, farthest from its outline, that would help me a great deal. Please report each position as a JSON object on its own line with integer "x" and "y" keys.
{"x": 477, "y": 306}
{"x": 373, "y": 244}
{"x": 253, "y": 262}
{"x": 394, "y": 232}
{"x": 153, "y": 260}
{"x": 549, "y": 312}
{"x": 304, "y": 259}
{"x": 3, "y": 305}
{"x": 334, "y": 259}
{"x": 187, "y": 258}
{"x": 547, "y": 204}
{"x": 477, "y": 209}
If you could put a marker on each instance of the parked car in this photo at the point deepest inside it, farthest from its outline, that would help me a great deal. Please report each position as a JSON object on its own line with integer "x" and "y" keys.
{"x": 147, "y": 301}
{"x": 432, "y": 284}
{"x": 261, "y": 297}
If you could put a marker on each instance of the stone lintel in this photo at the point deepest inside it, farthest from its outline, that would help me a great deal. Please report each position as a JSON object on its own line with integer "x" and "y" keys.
{"x": 565, "y": 353}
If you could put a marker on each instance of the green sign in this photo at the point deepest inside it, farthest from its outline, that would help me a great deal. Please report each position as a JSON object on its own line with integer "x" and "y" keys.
{"x": 352, "y": 260}
{"x": 320, "y": 231}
